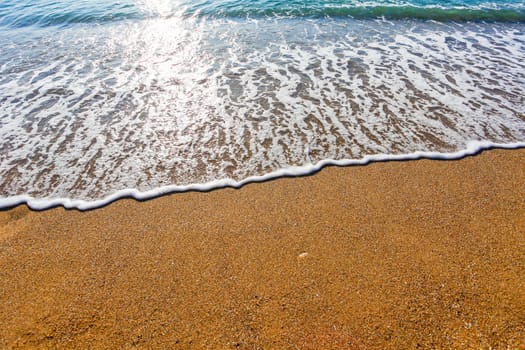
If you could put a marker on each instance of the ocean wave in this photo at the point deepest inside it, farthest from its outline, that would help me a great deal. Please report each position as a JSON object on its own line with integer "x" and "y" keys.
{"x": 390, "y": 12}
{"x": 62, "y": 13}
{"x": 43, "y": 13}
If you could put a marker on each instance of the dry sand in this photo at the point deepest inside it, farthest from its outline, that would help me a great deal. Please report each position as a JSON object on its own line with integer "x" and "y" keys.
{"x": 396, "y": 255}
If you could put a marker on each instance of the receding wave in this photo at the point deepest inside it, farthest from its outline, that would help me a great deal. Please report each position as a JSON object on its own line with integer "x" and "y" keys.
{"x": 472, "y": 148}
{"x": 88, "y": 111}
{"x": 44, "y": 13}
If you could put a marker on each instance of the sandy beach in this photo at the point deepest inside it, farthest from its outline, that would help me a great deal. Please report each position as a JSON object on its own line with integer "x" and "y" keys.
{"x": 419, "y": 254}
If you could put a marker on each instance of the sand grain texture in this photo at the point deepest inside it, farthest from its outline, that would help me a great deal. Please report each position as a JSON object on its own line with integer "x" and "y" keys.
{"x": 421, "y": 254}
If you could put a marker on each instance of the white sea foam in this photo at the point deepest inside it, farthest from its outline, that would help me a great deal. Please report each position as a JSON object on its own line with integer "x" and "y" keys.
{"x": 473, "y": 148}
{"x": 161, "y": 105}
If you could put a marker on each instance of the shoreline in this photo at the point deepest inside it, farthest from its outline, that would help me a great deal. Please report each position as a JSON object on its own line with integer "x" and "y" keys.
{"x": 472, "y": 148}
{"x": 388, "y": 255}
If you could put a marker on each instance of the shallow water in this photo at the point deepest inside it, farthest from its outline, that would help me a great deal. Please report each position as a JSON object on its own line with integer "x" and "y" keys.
{"x": 167, "y": 95}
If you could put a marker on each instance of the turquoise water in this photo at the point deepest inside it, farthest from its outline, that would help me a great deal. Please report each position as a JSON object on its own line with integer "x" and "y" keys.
{"x": 20, "y": 13}
{"x": 100, "y": 99}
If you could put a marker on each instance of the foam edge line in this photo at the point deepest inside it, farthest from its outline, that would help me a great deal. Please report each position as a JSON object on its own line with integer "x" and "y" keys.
{"x": 473, "y": 148}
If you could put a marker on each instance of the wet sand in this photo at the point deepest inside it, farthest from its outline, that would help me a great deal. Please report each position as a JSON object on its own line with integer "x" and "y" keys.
{"x": 427, "y": 254}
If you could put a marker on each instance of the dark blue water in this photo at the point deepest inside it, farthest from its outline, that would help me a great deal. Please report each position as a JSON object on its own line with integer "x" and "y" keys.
{"x": 20, "y": 13}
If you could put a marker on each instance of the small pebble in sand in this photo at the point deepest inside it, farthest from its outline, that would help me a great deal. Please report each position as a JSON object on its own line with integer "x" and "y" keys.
{"x": 303, "y": 255}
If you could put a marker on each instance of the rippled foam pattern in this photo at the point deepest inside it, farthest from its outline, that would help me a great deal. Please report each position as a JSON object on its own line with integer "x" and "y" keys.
{"x": 141, "y": 95}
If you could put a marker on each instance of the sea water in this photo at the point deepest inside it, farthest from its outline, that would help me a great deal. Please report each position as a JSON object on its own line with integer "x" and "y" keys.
{"x": 102, "y": 99}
